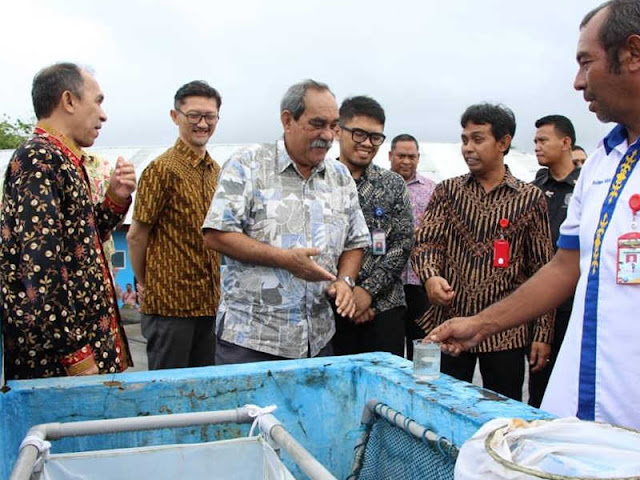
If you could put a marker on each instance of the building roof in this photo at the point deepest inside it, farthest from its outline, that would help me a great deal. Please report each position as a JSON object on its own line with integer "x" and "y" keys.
{"x": 438, "y": 161}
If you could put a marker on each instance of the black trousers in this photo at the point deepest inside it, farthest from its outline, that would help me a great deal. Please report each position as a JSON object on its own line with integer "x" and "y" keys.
{"x": 502, "y": 372}
{"x": 417, "y": 304}
{"x": 538, "y": 381}
{"x": 385, "y": 333}
{"x": 178, "y": 342}
{"x": 229, "y": 353}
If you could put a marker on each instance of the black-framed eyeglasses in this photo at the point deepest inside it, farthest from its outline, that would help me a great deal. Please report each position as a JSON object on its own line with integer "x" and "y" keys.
{"x": 359, "y": 135}
{"x": 194, "y": 117}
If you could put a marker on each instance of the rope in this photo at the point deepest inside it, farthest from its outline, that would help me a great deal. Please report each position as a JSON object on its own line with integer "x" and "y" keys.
{"x": 41, "y": 445}
{"x": 256, "y": 412}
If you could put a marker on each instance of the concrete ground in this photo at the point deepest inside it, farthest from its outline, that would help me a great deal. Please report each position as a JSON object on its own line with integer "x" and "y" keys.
{"x": 138, "y": 346}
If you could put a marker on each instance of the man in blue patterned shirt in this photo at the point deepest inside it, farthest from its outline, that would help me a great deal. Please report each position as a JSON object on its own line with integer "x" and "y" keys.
{"x": 378, "y": 323}
{"x": 289, "y": 226}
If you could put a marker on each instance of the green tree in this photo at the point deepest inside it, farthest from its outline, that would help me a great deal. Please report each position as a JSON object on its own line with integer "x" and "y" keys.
{"x": 13, "y": 133}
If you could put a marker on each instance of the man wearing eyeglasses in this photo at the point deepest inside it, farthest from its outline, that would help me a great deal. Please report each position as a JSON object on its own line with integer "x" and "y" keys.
{"x": 287, "y": 220}
{"x": 178, "y": 278}
{"x": 378, "y": 323}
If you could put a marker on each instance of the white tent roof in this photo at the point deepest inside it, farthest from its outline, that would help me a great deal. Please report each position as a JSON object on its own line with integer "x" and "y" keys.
{"x": 438, "y": 161}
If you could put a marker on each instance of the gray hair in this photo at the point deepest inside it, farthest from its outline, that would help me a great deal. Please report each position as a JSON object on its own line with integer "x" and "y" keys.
{"x": 623, "y": 20}
{"x": 293, "y": 100}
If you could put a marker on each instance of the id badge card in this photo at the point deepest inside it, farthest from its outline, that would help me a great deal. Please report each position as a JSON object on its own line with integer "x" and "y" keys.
{"x": 378, "y": 242}
{"x": 628, "y": 272}
{"x": 501, "y": 253}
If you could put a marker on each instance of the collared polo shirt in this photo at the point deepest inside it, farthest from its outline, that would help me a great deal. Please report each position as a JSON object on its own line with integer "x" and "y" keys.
{"x": 602, "y": 338}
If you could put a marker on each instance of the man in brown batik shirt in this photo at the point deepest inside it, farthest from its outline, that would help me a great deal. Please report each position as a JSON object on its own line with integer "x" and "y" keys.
{"x": 484, "y": 234}
{"x": 178, "y": 278}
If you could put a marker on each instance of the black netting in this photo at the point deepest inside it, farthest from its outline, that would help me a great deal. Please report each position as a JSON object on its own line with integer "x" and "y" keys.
{"x": 392, "y": 453}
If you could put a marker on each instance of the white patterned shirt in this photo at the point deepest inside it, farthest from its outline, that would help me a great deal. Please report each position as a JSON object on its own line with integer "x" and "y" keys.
{"x": 262, "y": 195}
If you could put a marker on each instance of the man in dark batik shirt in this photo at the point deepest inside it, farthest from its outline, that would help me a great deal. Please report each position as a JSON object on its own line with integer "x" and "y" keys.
{"x": 483, "y": 235}
{"x": 59, "y": 314}
{"x": 378, "y": 324}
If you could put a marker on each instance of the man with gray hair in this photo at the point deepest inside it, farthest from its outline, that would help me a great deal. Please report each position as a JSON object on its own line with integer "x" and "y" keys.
{"x": 60, "y": 314}
{"x": 287, "y": 221}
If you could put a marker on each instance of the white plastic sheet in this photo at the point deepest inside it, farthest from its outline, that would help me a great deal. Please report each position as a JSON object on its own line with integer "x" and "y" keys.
{"x": 238, "y": 459}
{"x": 517, "y": 450}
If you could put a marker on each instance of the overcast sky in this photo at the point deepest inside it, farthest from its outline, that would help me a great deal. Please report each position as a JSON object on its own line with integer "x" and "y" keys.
{"x": 424, "y": 61}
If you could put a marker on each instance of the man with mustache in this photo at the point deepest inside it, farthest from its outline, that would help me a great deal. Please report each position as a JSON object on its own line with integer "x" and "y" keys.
{"x": 484, "y": 234}
{"x": 596, "y": 373}
{"x": 287, "y": 220}
{"x": 378, "y": 324}
{"x": 60, "y": 313}
{"x": 179, "y": 279}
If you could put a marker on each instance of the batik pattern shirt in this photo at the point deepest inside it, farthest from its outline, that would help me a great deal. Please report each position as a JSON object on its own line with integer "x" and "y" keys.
{"x": 456, "y": 240}
{"x": 420, "y": 192}
{"x": 59, "y": 305}
{"x": 263, "y": 195}
{"x": 99, "y": 171}
{"x": 384, "y": 200}
{"x": 182, "y": 277}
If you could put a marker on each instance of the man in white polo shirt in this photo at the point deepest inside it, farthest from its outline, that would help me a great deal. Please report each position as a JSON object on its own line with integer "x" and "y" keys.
{"x": 596, "y": 376}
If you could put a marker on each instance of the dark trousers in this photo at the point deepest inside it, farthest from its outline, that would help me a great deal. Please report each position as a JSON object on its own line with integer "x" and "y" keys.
{"x": 538, "y": 381}
{"x": 502, "y": 372}
{"x": 174, "y": 342}
{"x": 385, "y": 333}
{"x": 417, "y": 304}
{"x": 230, "y": 353}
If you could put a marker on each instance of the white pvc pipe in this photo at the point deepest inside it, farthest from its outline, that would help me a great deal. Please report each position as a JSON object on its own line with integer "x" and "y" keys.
{"x": 307, "y": 463}
{"x": 28, "y": 455}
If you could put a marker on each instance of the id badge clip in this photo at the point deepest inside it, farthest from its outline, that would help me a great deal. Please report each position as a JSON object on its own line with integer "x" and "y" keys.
{"x": 501, "y": 247}
{"x": 628, "y": 266}
{"x": 378, "y": 236}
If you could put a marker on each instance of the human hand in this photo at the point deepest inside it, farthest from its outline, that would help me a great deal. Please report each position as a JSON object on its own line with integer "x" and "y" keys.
{"x": 140, "y": 290}
{"x": 459, "y": 334}
{"x": 298, "y": 261}
{"x": 368, "y": 315}
{"x": 539, "y": 356}
{"x": 439, "y": 291}
{"x": 122, "y": 182}
{"x": 343, "y": 295}
{"x": 363, "y": 300}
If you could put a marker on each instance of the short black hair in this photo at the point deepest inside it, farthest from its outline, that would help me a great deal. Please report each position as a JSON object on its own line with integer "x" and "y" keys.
{"x": 561, "y": 124}
{"x": 404, "y": 137}
{"x": 500, "y": 117}
{"x": 623, "y": 20}
{"x": 197, "y": 88}
{"x": 361, "y": 105}
{"x": 578, "y": 147}
{"x": 51, "y": 82}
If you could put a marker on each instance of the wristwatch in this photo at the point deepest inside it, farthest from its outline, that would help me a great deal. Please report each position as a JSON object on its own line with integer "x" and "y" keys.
{"x": 348, "y": 280}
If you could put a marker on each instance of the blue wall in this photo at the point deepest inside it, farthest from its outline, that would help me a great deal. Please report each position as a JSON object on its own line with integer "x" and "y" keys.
{"x": 319, "y": 401}
{"x": 124, "y": 275}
